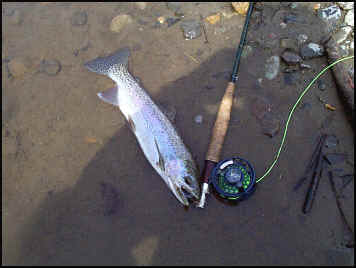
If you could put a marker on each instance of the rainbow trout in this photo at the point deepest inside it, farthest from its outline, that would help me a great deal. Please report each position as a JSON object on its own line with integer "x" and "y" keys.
{"x": 159, "y": 141}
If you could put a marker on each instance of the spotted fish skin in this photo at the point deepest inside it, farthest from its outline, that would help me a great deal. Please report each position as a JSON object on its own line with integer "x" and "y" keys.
{"x": 156, "y": 135}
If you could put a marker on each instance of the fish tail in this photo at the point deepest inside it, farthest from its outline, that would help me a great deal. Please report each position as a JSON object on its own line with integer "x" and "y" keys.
{"x": 110, "y": 65}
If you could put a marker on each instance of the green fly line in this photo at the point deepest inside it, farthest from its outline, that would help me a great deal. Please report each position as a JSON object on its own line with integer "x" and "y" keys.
{"x": 292, "y": 110}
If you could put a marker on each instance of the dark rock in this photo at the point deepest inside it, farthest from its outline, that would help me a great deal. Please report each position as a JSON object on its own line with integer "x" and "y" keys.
{"x": 291, "y": 57}
{"x": 331, "y": 141}
{"x": 291, "y": 69}
{"x": 172, "y": 21}
{"x": 321, "y": 85}
{"x": 335, "y": 158}
{"x": 191, "y": 29}
{"x": 311, "y": 50}
{"x": 79, "y": 18}
{"x": 209, "y": 87}
{"x": 289, "y": 18}
{"x": 50, "y": 67}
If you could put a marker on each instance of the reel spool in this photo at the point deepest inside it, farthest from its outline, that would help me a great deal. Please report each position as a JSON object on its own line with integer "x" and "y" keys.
{"x": 234, "y": 179}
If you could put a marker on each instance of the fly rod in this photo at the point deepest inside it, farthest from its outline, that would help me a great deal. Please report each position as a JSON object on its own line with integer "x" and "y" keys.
{"x": 223, "y": 117}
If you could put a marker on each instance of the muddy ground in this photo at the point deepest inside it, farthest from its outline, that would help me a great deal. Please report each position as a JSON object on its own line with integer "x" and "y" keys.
{"x": 76, "y": 187}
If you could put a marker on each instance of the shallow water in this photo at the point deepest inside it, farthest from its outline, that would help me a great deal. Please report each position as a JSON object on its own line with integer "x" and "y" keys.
{"x": 77, "y": 188}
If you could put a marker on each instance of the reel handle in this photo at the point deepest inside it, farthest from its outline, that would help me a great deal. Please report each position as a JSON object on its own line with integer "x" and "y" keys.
{"x": 221, "y": 124}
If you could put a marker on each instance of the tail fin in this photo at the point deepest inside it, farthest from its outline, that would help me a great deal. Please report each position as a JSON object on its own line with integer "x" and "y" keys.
{"x": 107, "y": 65}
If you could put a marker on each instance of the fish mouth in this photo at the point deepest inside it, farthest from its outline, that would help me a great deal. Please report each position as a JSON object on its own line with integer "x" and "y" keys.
{"x": 185, "y": 193}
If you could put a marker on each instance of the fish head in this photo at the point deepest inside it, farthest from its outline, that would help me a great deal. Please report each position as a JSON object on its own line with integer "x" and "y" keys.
{"x": 183, "y": 180}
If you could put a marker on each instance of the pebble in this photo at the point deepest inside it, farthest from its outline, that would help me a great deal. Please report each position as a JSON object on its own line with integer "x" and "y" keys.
{"x": 270, "y": 125}
{"x": 272, "y": 67}
{"x": 346, "y": 5}
{"x": 342, "y": 34}
{"x": 79, "y": 18}
{"x": 311, "y": 50}
{"x": 119, "y": 22}
{"x": 240, "y": 7}
{"x": 213, "y": 19}
{"x": 141, "y": 5}
{"x": 330, "y": 15}
{"x": 349, "y": 18}
{"x": 289, "y": 43}
{"x": 191, "y": 29}
{"x": 198, "y": 119}
{"x": 321, "y": 85}
{"x": 304, "y": 66}
{"x": 302, "y": 38}
{"x": 19, "y": 66}
{"x": 50, "y": 67}
{"x": 283, "y": 25}
{"x": 290, "y": 57}
{"x": 16, "y": 18}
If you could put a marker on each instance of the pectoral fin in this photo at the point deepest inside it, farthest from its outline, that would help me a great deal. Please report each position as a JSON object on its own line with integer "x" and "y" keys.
{"x": 161, "y": 162}
{"x": 110, "y": 96}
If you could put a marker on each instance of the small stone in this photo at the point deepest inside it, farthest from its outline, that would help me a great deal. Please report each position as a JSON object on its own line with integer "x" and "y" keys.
{"x": 331, "y": 16}
{"x": 198, "y": 119}
{"x": 16, "y": 18}
{"x": 342, "y": 34}
{"x": 19, "y": 66}
{"x": 141, "y": 5}
{"x": 240, "y": 7}
{"x": 304, "y": 66}
{"x": 305, "y": 105}
{"x": 79, "y": 18}
{"x": 291, "y": 69}
{"x": 270, "y": 125}
{"x": 311, "y": 50}
{"x": 259, "y": 80}
{"x": 349, "y": 18}
{"x": 316, "y": 6}
{"x": 272, "y": 67}
{"x": 290, "y": 57}
{"x": 8, "y": 11}
{"x": 346, "y": 5}
{"x": 294, "y": 5}
{"x": 321, "y": 85}
{"x": 119, "y": 22}
{"x": 302, "y": 38}
{"x": 161, "y": 19}
{"x": 50, "y": 67}
{"x": 291, "y": 18}
{"x": 191, "y": 29}
{"x": 213, "y": 18}
{"x": 283, "y": 25}
{"x": 247, "y": 50}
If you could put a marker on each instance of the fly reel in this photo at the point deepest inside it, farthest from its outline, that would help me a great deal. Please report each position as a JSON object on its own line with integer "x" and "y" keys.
{"x": 234, "y": 179}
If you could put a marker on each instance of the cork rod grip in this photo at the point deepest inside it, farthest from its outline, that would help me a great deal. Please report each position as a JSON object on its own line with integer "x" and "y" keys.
{"x": 221, "y": 124}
